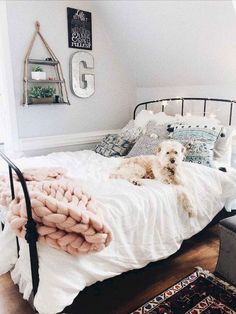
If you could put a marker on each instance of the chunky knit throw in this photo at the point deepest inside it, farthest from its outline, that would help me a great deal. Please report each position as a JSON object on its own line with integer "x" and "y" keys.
{"x": 66, "y": 215}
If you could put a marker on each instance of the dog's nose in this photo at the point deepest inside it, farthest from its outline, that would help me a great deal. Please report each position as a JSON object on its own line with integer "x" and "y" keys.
{"x": 172, "y": 161}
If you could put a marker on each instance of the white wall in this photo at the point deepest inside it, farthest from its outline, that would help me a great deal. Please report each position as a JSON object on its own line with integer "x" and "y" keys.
{"x": 173, "y": 43}
{"x": 138, "y": 48}
{"x": 110, "y": 106}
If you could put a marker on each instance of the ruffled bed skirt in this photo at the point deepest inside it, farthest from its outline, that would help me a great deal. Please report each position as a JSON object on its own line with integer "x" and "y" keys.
{"x": 25, "y": 287}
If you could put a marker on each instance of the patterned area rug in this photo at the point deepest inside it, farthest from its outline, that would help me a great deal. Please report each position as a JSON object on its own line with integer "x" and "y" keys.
{"x": 200, "y": 292}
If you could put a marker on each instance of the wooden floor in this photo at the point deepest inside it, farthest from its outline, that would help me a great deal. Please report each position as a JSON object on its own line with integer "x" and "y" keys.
{"x": 126, "y": 292}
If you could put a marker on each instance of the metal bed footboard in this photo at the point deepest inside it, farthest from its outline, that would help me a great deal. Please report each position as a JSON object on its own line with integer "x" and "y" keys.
{"x": 183, "y": 99}
{"x": 31, "y": 231}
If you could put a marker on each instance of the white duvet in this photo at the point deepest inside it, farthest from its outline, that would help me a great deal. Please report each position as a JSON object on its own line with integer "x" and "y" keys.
{"x": 147, "y": 224}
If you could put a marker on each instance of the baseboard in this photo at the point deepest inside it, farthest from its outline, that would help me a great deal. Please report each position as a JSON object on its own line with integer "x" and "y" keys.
{"x": 76, "y": 139}
{"x": 46, "y": 142}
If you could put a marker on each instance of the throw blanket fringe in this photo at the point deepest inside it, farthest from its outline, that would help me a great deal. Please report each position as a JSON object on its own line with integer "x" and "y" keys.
{"x": 67, "y": 216}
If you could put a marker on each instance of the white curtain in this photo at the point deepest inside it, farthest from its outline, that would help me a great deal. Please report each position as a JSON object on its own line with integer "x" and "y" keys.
{"x": 8, "y": 118}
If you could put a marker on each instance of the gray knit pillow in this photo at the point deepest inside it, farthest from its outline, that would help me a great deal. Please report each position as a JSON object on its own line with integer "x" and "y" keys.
{"x": 130, "y": 132}
{"x": 145, "y": 145}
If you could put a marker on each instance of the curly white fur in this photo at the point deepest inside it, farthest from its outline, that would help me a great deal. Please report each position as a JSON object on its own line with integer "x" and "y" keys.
{"x": 165, "y": 166}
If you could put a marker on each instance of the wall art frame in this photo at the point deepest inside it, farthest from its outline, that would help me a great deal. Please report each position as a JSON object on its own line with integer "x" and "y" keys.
{"x": 79, "y": 29}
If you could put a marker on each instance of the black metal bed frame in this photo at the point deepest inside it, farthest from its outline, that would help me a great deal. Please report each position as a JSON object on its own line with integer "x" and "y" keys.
{"x": 183, "y": 99}
{"x": 31, "y": 231}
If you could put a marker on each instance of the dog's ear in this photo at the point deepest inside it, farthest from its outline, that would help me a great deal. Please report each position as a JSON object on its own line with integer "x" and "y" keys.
{"x": 158, "y": 149}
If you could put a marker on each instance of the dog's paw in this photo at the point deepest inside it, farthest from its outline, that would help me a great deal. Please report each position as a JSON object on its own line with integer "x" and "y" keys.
{"x": 136, "y": 182}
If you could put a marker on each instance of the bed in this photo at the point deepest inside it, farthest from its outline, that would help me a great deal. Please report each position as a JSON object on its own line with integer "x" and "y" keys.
{"x": 147, "y": 223}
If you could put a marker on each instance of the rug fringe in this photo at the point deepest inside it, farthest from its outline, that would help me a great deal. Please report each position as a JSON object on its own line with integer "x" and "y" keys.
{"x": 208, "y": 274}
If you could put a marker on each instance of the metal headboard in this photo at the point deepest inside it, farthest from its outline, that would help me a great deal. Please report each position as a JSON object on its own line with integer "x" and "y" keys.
{"x": 183, "y": 99}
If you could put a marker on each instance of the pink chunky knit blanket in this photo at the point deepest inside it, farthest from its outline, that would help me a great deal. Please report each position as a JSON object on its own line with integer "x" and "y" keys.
{"x": 67, "y": 216}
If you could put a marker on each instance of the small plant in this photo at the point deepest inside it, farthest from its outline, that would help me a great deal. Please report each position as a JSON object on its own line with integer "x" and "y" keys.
{"x": 41, "y": 92}
{"x": 37, "y": 68}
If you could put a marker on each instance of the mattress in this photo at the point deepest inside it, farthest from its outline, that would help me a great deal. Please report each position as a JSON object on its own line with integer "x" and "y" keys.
{"x": 147, "y": 224}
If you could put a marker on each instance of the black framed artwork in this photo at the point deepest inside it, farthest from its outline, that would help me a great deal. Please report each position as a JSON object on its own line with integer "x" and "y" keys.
{"x": 79, "y": 29}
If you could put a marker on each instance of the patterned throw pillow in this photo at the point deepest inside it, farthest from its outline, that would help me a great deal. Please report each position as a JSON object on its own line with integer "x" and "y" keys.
{"x": 145, "y": 145}
{"x": 204, "y": 138}
{"x": 199, "y": 152}
{"x": 113, "y": 145}
{"x": 195, "y": 132}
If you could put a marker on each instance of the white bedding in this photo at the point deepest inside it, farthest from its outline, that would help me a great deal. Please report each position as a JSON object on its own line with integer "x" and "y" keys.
{"x": 146, "y": 221}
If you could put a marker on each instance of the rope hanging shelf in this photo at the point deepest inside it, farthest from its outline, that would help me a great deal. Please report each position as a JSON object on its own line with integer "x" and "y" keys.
{"x": 58, "y": 82}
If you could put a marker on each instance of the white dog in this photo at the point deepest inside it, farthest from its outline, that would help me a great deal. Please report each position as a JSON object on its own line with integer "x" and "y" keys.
{"x": 165, "y": 166}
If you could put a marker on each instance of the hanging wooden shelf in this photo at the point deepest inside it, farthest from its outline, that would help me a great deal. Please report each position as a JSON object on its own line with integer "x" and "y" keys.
{"x": 51, "y": 104}
{"x": 43, "y": 62}
{"x": 44, "y": 81}
{"x": 54, "y": 62}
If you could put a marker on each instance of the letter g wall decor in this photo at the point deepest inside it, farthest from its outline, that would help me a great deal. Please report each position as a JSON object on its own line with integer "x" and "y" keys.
{"x": 81, "y": 80}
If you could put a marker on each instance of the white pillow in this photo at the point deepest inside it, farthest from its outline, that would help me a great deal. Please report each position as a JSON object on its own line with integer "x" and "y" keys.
{"x": 162, "y": 118}
{"x": 223, "y": 146}
{"x": 146, "y": 116}
{"x": 143, "y": 118}
{"x": 197, "y": 120}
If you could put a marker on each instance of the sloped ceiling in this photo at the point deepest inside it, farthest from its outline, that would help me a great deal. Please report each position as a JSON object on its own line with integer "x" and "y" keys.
{"x": 166, "y": 43}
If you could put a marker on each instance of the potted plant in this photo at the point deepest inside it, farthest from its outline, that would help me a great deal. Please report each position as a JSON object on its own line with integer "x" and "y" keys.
{"x": 37, "y": 73}
{"x": 42, "y": 95}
